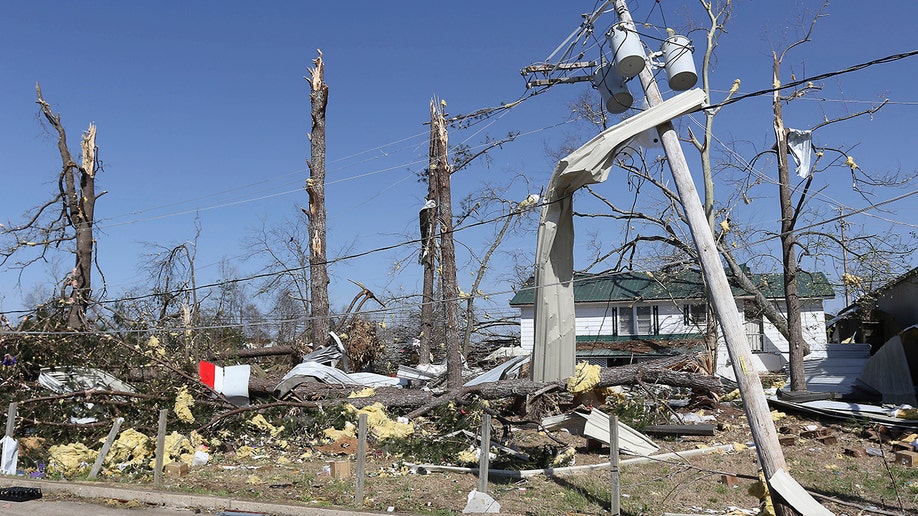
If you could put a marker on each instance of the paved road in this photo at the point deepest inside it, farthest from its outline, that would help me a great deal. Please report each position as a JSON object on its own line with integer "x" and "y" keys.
{"x": 158, "y": 502}
{"x": 71, "y": 508}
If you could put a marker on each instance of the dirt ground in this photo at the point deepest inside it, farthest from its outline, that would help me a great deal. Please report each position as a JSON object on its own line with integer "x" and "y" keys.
{"x": 867, "y": 485}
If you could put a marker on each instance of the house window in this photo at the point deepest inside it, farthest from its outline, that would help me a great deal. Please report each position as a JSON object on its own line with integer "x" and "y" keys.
{"x": 695, "y": 315}
{"x": 638, "y": 320}
{"x": 644, "y": 318}
{"x": 625, "y": 321}
{"x": 755, "y": 330}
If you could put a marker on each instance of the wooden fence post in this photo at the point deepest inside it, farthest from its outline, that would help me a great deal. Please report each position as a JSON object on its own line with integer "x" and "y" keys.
{"x": 106, "y": 447}
{"x": 485, "y": 458}
{"x": 615, "y": 504}
{"x": 11, "y": 419}
{"x": 160, "y": 448}
{"x": 361, "y": 456}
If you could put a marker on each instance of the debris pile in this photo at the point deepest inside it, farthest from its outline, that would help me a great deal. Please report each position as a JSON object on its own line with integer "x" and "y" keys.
{"x": 287, "y": 420}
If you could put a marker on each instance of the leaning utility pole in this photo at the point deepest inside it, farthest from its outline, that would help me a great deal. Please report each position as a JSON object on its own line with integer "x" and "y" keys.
{"x": 761, "y": 425}
{"x": 449, "y": 289}
{"x": 315, "y": 187}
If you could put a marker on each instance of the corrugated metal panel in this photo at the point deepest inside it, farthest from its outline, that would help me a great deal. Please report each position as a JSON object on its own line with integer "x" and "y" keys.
{"x": 500, "y": 371}
{"x": 629, "y": 440}
{"x": 838, "y": 372}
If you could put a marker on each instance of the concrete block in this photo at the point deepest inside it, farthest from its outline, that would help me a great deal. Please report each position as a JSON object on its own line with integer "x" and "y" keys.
{"x": 857, "y": 452}
{"x": 828, "y": 439}
{"x": 902, "y": 446}
{"x": 593, "y": 445}
{"x": 729, "y": 480}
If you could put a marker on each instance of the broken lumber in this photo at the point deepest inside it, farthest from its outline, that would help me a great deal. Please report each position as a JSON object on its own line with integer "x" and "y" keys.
{"x": 677, "y": 430}
{"x": 527, "y": 473}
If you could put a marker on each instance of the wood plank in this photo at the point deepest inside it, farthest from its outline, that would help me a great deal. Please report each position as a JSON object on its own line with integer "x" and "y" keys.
{"x": 679, "y": 430}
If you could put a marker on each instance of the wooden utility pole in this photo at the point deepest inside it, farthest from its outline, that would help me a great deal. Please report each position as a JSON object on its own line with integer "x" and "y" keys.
{"x": 449, "y": 289}
{"x": 315, "y": 187}
{"x": 428, "y": 224}
{"x": 761, "y": 425}
{"x": 788, "y": 243}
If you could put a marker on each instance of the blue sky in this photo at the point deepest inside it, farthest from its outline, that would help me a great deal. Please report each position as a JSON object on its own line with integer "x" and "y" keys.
{"x": 202, "y": 111}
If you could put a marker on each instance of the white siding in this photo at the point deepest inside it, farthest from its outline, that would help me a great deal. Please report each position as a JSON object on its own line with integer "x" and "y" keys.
{"x": 776, "y": 354}
{"x": 527, "y": 327}
{"x": 596, "y": 319}
{"x": 672, "y": 320}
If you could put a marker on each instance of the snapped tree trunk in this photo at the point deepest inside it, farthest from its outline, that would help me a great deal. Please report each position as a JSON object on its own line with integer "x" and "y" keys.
{"x": 448, "y": 286}
{"x": 315, "y": 187}
{"x": 77, "y": 184}
{"x": 788, "y": 243}
{"x": 428, "y": 223}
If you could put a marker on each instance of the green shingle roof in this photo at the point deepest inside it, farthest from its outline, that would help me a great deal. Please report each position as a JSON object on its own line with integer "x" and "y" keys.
{"x": 681, "y": 285}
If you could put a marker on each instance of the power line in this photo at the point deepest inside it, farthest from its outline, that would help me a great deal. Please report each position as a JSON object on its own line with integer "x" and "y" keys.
{"x": 767, "y": 178}
{"x": 793, "y": 84}
{"x": 845, "y": 101}
{"x": 262, "y": 275}
{"x": 248, "y": 187}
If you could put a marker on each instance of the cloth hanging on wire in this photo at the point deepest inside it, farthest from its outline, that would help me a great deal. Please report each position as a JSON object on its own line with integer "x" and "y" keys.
{"x": 800, "y": 146}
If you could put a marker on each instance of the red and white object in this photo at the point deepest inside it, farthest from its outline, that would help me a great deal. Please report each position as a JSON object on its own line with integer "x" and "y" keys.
{"x": 231, "y": 381}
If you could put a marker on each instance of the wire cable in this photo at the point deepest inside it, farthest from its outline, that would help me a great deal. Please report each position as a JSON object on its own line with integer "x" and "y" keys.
{"x": 793, "y": 84}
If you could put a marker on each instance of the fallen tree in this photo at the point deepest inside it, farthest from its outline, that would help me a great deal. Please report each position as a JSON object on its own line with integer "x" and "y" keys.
{"x": 420, "y": 402}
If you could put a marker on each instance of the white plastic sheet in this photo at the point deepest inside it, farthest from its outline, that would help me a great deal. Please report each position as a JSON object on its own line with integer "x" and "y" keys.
{"x": 10, "y": 456}
{"x": 800, "y": 145}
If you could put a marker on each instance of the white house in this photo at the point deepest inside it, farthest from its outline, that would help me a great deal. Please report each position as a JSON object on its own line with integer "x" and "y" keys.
{"x": 629, "y": 316}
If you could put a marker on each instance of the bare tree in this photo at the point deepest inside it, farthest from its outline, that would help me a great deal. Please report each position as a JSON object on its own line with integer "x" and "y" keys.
{"x": 791, "y": 209}
{"x": 488, "y": 205}
{"x": 438, "y": 213}
{"x": 65, "y": 219}
{"x": 286, "y": 257}
{"x": 315, "y": 187}
{"x": 172, "y": 271}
